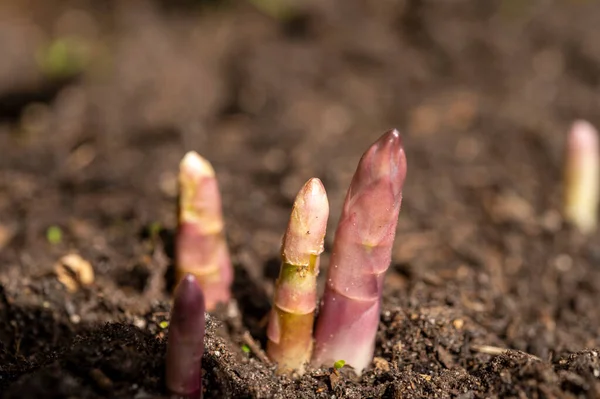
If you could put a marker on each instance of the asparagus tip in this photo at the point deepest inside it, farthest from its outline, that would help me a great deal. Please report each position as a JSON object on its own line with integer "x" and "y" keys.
{"x": 306, "y": 229}
{"x": 196, "y": 165}
{"x": 583, "y": 135}
{"x": 385, "y": 157}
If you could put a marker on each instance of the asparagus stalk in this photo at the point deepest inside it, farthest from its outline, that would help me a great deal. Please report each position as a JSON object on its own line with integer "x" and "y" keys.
{"x": 185, "y": 344}
{"x": 582, "y": 177}
{"x": 201, "y": 248}
{"x": 291, "y": 319}
{"x": 349, "y": 313}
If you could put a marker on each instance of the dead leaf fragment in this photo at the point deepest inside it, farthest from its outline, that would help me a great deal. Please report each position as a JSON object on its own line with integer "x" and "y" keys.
{"x": 73, "y": 272}
{"x": 381, "y": 364}
{"x": 445, "y": 357}
{"x": 334, "y": 379}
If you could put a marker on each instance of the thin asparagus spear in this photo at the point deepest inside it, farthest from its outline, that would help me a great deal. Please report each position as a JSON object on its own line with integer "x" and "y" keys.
{"x": 185, "y": 344}
{"x": 291, "y": 320}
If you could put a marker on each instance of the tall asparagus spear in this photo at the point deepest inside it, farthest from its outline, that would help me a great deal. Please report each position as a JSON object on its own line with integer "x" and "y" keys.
{"x": 185, "y": 344}
{"x": 201, "y": 248}
{"x": 291, "y": 320}
{"x": 350, "y": 307}
{"x": 582, "y": 177}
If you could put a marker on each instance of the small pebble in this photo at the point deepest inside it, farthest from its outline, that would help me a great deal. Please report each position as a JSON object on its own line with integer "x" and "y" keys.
{"x": 458, "y": 323}
{"x": 139, "y": 322}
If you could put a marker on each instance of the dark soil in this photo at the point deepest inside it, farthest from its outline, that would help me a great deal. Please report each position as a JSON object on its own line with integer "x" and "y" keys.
{"x": 483, "y": 92}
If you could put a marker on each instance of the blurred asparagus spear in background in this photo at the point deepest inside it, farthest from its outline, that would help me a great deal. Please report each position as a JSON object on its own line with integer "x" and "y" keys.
{"x": 291, "y": 320}
{"x": 582, "y": 177}
{"x": 349, "y": 313}
{"x": 185, "y": 344}
{"x": 201, "y": 248}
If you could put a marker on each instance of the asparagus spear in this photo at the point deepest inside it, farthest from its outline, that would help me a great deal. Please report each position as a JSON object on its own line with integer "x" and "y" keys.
{"x": 349, "y": 313}
{"x": 201, "y": 248}
{"x": 291, "y": 320}
{"x": 582, "y": 177}
{"x": 185, "y": 344}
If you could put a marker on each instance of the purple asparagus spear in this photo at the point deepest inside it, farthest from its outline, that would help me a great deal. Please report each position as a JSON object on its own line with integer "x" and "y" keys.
{"x": 185, "y": 345}
{"x": 362, "y": 248}
{"x": 201, "y": 248}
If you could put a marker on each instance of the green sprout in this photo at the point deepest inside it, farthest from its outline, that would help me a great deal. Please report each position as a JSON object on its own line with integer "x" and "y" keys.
{"x": 54, "y": 235}
{"x": 339, "y": 364}
{"x": 154, "y": 230}
{"x": 163, "y": 324}
{"x": 63, "y": 58}
{"x": 245, "y": 348}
